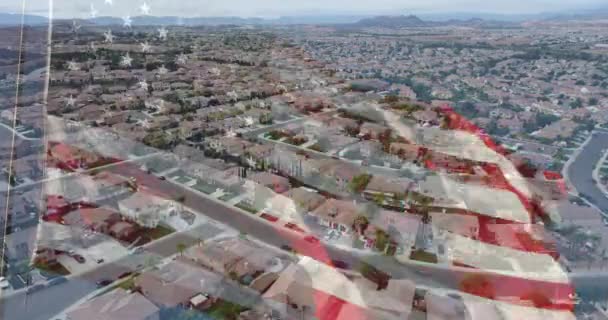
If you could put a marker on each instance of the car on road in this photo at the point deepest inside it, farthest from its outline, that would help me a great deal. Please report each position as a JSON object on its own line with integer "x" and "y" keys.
{"x": 311, "y": 239}
{"x": 100, "y": 261}
{"x": 103, "y": 282}
{"x": 4, "y": 283}
{"x": 78, "y": 258}
{"x": 125, "y": 274}
{"x": 286, "y": 248}
{"x": 57, "y": 281}
{"x": 34, "y": 288}
{"x": 340, "y": 264}
{"x": 137, "y": 250}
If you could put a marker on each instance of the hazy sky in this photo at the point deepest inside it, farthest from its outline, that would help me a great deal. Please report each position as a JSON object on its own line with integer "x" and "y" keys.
{"x": 272, "y": 8}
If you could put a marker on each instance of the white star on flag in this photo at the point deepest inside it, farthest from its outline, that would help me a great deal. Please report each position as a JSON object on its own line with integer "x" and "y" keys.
{"x": 93, "y": 12}
{"x": 143, "y": 85}
{"x": 70, "y": 101}
{"x": 251, "y": 162}
{"x": 162, "y": 33}
{"x": 230, "y": 133}
{"x": 248, "y": 121}
{"x": 108, "y": 2}
{"x": 126, "y": 21}
{"x": 181, "y": 59}
{"x": 126, "y": 60}
{"x": 145, "y": 8}
{"x": 109, "y": 37}
{"x": 75, "y": 26}
{"x": 215, "y": 71}
{"x": 162, "y": 70}
{"x": 73, "y": 65}
{"x": 145, "y": 46}
{"x": 233, "y": 95}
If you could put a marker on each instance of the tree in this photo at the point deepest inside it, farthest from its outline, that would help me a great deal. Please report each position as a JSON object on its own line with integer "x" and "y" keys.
{"x": 360, "y": 224}
{"x": 577, "y": 103}
{"x": 379, "y": 198}
{"x": 158, "y": 139}
{"x": 181, "y": 247}
{"x": 382, "y": 240}
{"x": 358, "y": 183}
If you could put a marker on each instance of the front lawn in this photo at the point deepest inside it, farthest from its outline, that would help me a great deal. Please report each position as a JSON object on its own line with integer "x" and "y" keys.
{"x": 128, "y": 284}
{"x": 159, "y": 232}
{"x": 421, "y": 255}
{"x": 204, "y": 187}
{"x": 245, "y": 206}
{"x": 54, "y": 269}
{"x": 225, "y": 310}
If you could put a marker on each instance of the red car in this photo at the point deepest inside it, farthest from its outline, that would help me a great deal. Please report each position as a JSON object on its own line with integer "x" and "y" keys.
{"x": 311, "y": 239}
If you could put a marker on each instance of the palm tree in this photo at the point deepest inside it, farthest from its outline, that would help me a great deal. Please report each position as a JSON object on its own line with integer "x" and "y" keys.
{"x": 360, "y": 224}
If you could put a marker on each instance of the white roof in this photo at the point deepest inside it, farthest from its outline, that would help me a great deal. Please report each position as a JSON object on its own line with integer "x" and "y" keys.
{"x": 504, "y": 260}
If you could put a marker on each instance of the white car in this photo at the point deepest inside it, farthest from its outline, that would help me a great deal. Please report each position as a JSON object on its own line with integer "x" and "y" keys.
{"x": 4, "y": 283}
{"x": 137, "y": 250}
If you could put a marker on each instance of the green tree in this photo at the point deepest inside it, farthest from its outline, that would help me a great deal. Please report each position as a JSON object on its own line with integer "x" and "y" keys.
{"x": 382, "y": 240}
{"x": 181, "y": 247}
{"x": 360, "y": 224}
{"x": 358, "y": 183}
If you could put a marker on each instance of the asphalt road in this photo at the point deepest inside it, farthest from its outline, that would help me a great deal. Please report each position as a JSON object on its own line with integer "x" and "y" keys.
{"x": 52, "y": 300}
{"x": 580, "y": 171}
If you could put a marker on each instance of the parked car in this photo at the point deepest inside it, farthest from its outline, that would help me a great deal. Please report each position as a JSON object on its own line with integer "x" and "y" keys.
{"x": 103, "y": 282}
{"x": 100, "y": 261}
{"x": 340, "y": 264}
{"x": 4, "y": 283}
{"x": 311, "y": 239}
{"x": 34, "y": 288}
{"x": 79, "y": 258}
{"x": 125, "y": 274}
{"x": 286, "y": 248}
{"x": 137, "y": 250}
{"x": 57, "y": 281}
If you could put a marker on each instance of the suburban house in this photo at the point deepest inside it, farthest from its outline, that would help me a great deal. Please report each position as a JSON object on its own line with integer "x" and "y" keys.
{"x": 402, "y": 229}
{"x": 145, "y": 209}
{"x": 380, "y": 186}
{"x": 334, "y": 293}
{"x": 461, "y": 224}
{"x": 117, "y": 304}
{"x": 406, "y": 151}
{"x": 259, "y": 152}
{"x": 337, "y": 214}
{"x": 174, "y": 284}
{"x": 426, "y": 117}
{"x": 123, "y": 231}
{"x": 342, "y": 173}
{"x": 372, "y": 130}
{"x": 95, "y": 219}
{"x": 231, "y": 145}
{"x": 236, "y": 257}
{"x": 276, "y": 183}
{"x": 305, "y": 199}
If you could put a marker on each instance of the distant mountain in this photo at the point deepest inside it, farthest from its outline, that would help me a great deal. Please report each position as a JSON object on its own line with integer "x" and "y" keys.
{"x": 10, "y": 19}
{"x": 287, "y": 20}
{"x": 171, "y": 20}
{"x": 412, "y": 21}
{"x": 393, "y": 22}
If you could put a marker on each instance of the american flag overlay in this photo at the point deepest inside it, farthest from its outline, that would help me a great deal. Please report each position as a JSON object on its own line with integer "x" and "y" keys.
{"x": 160, "y": 166}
